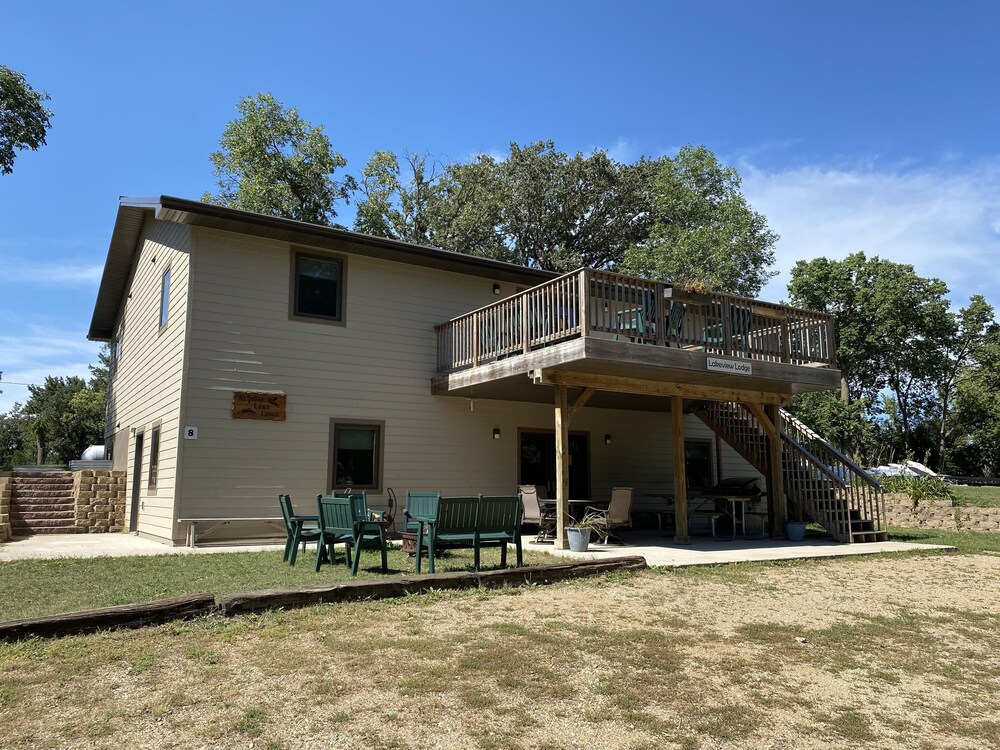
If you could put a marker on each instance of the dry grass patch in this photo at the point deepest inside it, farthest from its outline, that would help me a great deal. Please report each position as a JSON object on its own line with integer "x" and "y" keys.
{"x": 896, "y": 653}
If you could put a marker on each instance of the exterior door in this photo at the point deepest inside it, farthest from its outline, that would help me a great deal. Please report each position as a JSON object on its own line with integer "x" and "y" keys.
{"x": 133, "y": 519}
{"x": 538, "y": 462}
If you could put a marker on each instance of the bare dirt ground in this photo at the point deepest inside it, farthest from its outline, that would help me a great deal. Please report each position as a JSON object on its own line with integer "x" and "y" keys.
{"x": 885, "y": 652}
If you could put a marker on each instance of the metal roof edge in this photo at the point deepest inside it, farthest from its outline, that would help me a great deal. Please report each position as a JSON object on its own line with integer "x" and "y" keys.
{"x": 133, "y": 212}
{"x": 131, "y": 216}
{"x": 170, "y": 206}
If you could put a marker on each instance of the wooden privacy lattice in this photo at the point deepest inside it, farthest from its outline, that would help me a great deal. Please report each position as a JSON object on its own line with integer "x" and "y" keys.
{"x": 822, "y": 482}
{"x": 610, "y": 305}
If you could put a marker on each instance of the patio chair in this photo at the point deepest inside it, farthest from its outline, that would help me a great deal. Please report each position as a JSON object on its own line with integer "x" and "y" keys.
{"x": 741, "y": 318}
{"x": 299, "y": 530}
{"x": 419, "y": 504}
{"x": 347, "y": 521}
{"x": 633, "y": 324}
{"x": 535, "y": 514}
{"x": 675, "y": 322}
{"x": 618, "y": 514}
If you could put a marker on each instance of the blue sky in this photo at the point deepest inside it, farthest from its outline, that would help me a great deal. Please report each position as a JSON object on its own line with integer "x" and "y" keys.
{"x": 856, "y": 125}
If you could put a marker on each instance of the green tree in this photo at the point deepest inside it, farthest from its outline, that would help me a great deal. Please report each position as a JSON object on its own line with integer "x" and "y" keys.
{"x": 890, "y": 323}
{"x": 399, "y": 201}
{"x": 66, "y": 415}
{"x": 16, "y": 439}
{"x": 46, "y": 408}
{"x": 536, "y": 207}
{"x": 24, "y": 120}
{"x": 273, "y": 162}
{"x": 975, "y": 329}
{"x": 845, "y": 425}
{"x": 703, "y": 230}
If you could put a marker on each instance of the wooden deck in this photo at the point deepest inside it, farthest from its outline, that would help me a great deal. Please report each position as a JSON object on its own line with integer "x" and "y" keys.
{"x": 590, "y": 326}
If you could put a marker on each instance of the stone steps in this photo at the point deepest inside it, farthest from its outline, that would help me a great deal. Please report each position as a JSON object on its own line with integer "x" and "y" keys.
{"x": 41, "y": 502}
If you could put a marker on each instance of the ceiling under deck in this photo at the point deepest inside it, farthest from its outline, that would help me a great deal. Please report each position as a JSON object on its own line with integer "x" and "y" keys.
{"x": 514, "y": 378}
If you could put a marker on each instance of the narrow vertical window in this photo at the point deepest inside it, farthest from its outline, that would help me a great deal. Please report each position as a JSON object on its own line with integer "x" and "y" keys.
{"x": 154, "y": 456}
{"x": 165, "y": 298}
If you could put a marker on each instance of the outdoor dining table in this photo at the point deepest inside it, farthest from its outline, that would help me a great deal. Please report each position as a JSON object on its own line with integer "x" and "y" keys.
{"x": 731, "y": 506}
{"x": 664, "y": 513}
{"x": 577, "y": 508}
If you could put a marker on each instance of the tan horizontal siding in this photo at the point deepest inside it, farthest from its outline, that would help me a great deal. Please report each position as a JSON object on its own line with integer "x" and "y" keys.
{"x": 147, "y": 385}
{"x": 376, "y": 367}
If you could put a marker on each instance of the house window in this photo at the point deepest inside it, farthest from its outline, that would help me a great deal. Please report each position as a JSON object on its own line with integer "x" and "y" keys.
{"x": 356, "y": 455}
{"x": 318, "y": 287}
{"x": 164, "y": 298}
{"x": 698, "y": 464}
{"x": 154, "y": 456}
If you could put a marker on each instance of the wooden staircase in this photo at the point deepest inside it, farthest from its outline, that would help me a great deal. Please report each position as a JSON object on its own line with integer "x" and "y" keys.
{"x": 41, "y": 502}
{"x": 820, "y": 482}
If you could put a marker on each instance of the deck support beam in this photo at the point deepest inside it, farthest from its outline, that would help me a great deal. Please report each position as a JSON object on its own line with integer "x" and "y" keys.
{"x": 680, "y": 473}
{"x": 562, "y": 465}
{"x": 643, "y": 387}
{"x": 777, "y": 508}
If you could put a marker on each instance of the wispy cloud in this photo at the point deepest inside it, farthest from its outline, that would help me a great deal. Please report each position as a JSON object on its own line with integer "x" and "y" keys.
{"x": 944, "y": 220}
{"x": 35, "y": 351}
{"x": 23, "y": 271}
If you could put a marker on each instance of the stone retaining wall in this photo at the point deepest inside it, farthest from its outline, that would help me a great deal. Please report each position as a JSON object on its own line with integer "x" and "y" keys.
{"x": 99, "y": 498}
{"x": 6, "y": 483}
{"x": 939, "y": 514}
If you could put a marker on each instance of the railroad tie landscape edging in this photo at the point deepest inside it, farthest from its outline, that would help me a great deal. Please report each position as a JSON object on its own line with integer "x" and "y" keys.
{"x": 199, "y": 605}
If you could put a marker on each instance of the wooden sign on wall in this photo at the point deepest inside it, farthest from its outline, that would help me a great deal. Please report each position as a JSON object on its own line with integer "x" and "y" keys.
{"x": 250, "y": 405}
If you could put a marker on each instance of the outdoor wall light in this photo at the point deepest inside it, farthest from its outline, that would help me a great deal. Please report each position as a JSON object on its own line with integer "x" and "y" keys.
{"x": 607, "y": 440}
{"x": 496, "y": 289}
{"x": 496, "y": 433}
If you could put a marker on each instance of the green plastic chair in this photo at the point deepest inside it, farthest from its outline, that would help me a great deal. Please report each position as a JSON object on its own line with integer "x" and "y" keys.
{"x": 455, "y": 521}
{"x": 347, "y": 520}
{"x": 299, "y": 530}
{"x": 500, "y": 525}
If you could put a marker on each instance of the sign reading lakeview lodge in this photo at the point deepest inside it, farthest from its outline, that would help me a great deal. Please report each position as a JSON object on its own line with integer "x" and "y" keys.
{"x": 731, "y": 366}
{"x": 250, "y": 405}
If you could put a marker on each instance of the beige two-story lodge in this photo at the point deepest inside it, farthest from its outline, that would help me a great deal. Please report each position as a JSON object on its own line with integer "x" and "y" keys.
{"x": 253, "y": 355}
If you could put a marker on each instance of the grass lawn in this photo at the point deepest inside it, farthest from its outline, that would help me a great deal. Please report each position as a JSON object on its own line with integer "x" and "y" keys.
{"x": 980, "y": 497}
{"x": 967, "y": 542}
{"x": 32, "y": 588}
{"x": 888, "y": 651}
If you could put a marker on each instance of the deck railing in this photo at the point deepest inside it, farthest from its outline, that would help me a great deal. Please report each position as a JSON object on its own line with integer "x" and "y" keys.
{"x": 610, "y": 305}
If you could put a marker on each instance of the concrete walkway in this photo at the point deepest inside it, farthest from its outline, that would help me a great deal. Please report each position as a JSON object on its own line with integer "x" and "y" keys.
{"x": 661, "y": 550}
{"x": 52, "y": 546}
{"x": 658, "y": 550}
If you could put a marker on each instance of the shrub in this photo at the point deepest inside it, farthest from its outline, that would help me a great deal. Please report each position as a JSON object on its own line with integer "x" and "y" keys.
{"x": 918, "y": 488}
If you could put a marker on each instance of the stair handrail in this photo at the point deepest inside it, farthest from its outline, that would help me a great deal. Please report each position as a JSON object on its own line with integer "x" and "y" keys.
{"x": 810, "y": 433}
{"x": 814, "y": 460}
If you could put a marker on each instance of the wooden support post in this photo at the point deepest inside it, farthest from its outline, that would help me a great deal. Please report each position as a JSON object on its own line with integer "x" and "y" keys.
{"x": 562, "y": 466}
{"x": 777, "y": 509}
{"x": 680, "y": 475}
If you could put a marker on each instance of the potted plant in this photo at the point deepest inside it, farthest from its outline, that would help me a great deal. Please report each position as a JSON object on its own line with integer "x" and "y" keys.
{"x": 578, "y": 535}
{"x": 795, "y": 530}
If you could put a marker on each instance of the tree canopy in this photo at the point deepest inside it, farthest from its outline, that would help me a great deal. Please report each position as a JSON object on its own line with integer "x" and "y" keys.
{"x": 273, "y": 162}
{"x": 680, "y": 219}
{"x": 703, "y": 230}
{"x": 62, "y": 417}
{"x": 905, "y": 357}
{"x": 24, "y": 120}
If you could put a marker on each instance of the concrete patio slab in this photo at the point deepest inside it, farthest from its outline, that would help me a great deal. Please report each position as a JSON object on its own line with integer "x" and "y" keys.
{"x": 660, "y": 551}
{"x": 52, "y": 546}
